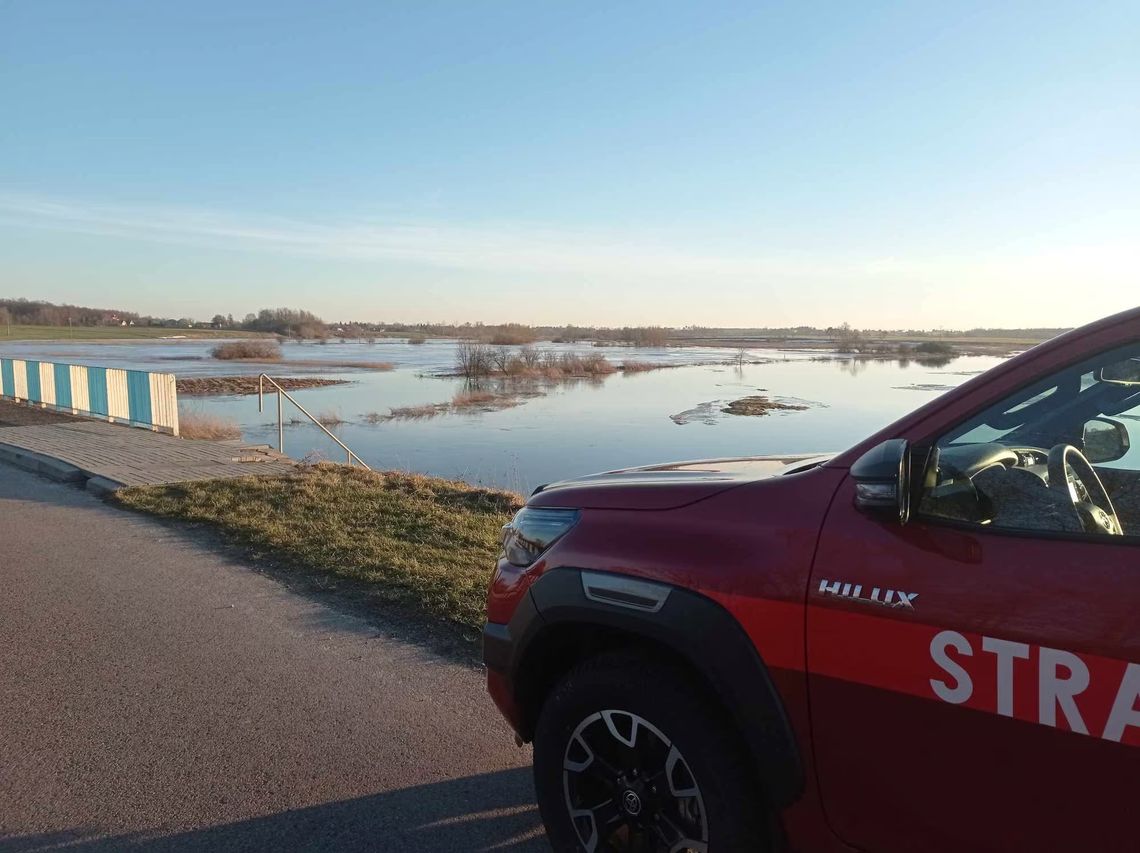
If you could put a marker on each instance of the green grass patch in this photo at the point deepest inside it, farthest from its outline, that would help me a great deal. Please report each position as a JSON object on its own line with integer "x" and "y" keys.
{"x": 111, "y": 333}
{"x": 417, "y": 541}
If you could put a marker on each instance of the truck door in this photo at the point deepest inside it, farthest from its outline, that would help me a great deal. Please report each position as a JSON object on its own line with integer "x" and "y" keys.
{"x": 974, "y": 674}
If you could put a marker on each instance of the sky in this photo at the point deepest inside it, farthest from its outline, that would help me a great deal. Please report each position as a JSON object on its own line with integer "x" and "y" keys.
{"x": 891, "y": 165}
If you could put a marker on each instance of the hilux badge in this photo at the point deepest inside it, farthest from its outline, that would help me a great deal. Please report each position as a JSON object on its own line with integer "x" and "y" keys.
{"x": 894, "y": 598}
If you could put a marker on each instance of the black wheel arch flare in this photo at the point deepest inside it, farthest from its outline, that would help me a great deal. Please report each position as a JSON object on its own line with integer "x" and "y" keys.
{"x": 702, "y": 633}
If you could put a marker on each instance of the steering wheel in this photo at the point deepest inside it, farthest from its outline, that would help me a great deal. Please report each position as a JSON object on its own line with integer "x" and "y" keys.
{"x": 1096, "y": 513}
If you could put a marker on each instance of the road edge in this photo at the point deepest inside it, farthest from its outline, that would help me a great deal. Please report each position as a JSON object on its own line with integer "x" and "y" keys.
{"x": 57, "y": 469}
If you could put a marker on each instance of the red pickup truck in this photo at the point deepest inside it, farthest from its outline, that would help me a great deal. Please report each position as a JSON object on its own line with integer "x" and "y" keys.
{"x": 928, "y": 642}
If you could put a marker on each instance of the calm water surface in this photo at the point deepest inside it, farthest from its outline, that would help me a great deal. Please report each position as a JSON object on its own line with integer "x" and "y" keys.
{"x": 574, "y": 429}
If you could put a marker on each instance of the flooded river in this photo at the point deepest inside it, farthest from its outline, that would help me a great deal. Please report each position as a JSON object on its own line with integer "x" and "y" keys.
{"x": 571, "y": 429}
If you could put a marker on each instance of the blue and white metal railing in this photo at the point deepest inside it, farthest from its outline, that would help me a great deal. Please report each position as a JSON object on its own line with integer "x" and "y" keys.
{"x": 135, "y": 397}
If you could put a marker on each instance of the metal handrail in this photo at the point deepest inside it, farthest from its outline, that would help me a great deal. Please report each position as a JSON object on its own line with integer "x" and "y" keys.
{"x": 281, "y": 392}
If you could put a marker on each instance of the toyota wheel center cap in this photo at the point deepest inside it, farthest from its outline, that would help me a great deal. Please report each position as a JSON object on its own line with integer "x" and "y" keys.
{"x": 631, "y": 802}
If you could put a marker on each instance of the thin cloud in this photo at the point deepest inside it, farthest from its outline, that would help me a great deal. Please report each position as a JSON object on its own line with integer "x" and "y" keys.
{"x": 505, "y": 247}
{"x": 838, "y": 284}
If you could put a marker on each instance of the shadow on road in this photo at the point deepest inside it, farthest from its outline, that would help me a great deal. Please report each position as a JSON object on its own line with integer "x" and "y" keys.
{"x": 491, "y": 811}
{"x": 13, "y": 487}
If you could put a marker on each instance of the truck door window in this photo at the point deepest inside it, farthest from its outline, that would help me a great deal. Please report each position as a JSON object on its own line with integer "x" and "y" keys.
{"x": 1061, "y": 455}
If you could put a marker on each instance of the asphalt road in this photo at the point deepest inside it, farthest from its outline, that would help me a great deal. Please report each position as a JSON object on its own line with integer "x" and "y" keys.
{"x": 156, "y": 694}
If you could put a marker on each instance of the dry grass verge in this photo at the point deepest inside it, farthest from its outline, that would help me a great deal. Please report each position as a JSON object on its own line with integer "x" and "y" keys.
{"x": 418, "y": 541}
{"x": 253, "y": 350}
{"x": 208, "y": 427}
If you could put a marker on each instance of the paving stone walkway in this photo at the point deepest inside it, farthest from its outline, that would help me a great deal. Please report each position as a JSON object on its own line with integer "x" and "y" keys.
{"x": 127, "y": 456}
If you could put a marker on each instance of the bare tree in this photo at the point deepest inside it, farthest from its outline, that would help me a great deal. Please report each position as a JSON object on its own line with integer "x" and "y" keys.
{"x": 473, "y": 359}
{"x": 500, "y": 358}
{"x": 849, "y": 340}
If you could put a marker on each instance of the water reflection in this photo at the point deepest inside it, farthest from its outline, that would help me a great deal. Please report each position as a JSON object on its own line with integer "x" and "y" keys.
{"x": 553, "y": 430}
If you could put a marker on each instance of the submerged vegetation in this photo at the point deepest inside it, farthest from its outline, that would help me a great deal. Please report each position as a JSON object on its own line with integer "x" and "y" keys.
{"x": 467, "y": 400}
{"x": 347, "y": 365}
{"x": 756, "y": 405}
{"x": 251, "y": 350}
{"x": 484, "y": 399}
{"x": 409, "y": 413}
{"x": 420, "y": 542}
{"x": 936, "y": 348}
{"x": 500, "y": 377}
{"x": 760, "y": 405}
{"x": 475, "y": 360}
{"x": 203, "y": 386}
{"x": 643, "y": 366}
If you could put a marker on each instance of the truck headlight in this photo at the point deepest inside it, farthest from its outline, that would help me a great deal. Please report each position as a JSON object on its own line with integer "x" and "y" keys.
{"x": 532, "y": 531}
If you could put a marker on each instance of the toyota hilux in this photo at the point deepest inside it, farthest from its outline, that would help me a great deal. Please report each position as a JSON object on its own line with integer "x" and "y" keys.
{"x": 928, "y": 642}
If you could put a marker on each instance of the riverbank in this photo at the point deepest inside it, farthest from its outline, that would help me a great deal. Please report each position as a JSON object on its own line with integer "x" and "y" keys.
{"x": 121, "y": 334}
{"x": 423, "y": 543}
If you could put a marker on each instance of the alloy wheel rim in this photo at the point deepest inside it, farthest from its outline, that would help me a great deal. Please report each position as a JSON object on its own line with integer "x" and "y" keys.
{"x": 628, "y": 788}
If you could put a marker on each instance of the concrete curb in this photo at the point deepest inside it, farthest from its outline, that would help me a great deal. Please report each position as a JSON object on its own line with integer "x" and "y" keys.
{"x": 37, "y": 463}
{"x": 102, "y": 487}
{"x": 56, "y": 469}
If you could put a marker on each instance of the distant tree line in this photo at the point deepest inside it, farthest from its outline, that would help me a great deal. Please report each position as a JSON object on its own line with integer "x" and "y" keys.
{"x": 28, "y": 312}
{"x": 1043, "y": 334}
{"x": 519, "y": 333}
{"x": 297, "y": 323}
{"x": 285, "y": 321}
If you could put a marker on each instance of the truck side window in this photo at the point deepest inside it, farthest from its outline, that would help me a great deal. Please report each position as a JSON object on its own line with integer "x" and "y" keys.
{"x": 1061, "y": 455}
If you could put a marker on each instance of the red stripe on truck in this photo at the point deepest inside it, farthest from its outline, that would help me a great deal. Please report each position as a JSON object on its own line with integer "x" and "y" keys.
{"x": 1083, "y": 693}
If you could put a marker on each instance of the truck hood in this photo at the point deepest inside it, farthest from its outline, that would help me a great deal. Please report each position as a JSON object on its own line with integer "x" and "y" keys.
{"x": 668, "y": 486}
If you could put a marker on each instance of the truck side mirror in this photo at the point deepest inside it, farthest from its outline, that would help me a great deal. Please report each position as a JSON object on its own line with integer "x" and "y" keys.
{"x": 882, "y": 480}
{"x": 1105, "y": 440}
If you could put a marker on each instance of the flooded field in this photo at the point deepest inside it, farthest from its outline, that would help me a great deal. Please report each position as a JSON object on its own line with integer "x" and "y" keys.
{"x": 553, "y": 431}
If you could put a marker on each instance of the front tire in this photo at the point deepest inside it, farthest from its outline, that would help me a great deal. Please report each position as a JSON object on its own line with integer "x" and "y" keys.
{"x": 629, "y": 756}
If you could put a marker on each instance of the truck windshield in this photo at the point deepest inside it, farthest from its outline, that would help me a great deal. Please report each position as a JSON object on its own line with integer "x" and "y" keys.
{"x": 1056, "y": 410}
